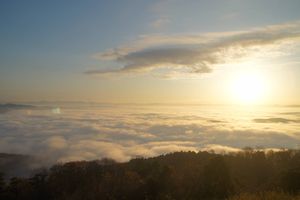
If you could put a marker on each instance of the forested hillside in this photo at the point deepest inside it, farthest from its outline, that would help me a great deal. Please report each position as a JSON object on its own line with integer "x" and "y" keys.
{"x": 249, "y": 174}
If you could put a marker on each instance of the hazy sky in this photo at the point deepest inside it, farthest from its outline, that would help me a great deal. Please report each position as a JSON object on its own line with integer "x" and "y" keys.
{"x": 141, "y": 51}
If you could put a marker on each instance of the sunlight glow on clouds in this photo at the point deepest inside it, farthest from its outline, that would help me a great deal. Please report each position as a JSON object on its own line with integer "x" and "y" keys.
{"x": 197, "y": 53}
{"x": 124, "y": 132}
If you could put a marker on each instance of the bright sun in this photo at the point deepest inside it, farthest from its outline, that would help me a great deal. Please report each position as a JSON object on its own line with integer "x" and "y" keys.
{"x": 248, "y": 87}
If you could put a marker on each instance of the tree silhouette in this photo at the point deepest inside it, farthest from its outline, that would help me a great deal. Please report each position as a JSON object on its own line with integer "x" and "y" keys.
{"x": 250, "y": 174}
{"x": 217, "y": 183}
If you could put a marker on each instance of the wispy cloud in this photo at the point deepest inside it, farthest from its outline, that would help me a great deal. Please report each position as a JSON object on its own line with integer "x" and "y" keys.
{"x": 160, "y": 22}
{"x": 159, "y": 11}
{"x": 195, "y": 53}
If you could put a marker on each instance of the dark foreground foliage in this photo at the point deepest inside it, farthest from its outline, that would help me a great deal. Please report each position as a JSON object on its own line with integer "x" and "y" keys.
{"x": 245, "y": 175}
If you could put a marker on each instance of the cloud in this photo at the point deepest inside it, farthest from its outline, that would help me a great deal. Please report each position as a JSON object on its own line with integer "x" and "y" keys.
{"x": 122, "y": 133}
{"x": 56, "y": 142}
{"x": 9, "y": 107}
{"x": 275, "y": 120}
{"x": 159, "y": 23}
{"x": 220, "y": 148}
{"x": 291, "y": 113}
{"x": 197, "y": 53}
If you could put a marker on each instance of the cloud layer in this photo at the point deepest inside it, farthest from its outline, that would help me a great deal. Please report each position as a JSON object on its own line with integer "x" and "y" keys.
{"x": 196, "y": 53}
{"x": 275, "y": 120}
{"x": 123, "y": 132}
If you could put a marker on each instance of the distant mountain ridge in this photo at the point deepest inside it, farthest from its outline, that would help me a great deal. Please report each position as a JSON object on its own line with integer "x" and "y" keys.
{"x": 11, "y": 106}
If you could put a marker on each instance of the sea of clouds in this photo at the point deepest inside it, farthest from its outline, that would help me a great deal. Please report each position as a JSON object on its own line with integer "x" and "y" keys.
{"x": 67, "y": 132}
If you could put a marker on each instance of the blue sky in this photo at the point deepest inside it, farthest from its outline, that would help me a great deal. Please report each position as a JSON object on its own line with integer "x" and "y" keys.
{"x": 47, "y": 46}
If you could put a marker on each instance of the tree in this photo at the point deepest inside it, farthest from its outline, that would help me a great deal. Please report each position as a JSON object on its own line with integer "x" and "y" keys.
{"x": 216, "y": 183}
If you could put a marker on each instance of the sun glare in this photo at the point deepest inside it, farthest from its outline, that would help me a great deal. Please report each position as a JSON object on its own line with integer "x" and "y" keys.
{"x": 248, "y": 87}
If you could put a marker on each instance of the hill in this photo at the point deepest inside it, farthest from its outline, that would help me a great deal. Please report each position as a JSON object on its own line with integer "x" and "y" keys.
{"x": 249, "y": 174}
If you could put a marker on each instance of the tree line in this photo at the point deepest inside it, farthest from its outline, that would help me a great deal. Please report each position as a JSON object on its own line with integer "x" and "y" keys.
{"x": 245, "y": 175}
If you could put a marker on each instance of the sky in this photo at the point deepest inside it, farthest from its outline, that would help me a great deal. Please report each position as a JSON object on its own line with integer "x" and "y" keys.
{"x": 160, "y": 51}
{"x": 121, "y": 79}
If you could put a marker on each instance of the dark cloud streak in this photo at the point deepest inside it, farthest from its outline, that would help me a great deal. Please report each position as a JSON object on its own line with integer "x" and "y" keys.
{"x": 194, "y": 53}
{"x": 275, "y": 120}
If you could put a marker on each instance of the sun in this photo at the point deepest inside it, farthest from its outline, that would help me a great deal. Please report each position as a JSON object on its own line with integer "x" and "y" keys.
{"x": 248, "y": 87}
